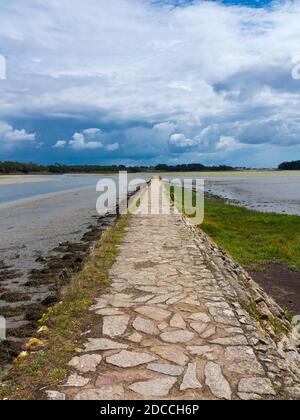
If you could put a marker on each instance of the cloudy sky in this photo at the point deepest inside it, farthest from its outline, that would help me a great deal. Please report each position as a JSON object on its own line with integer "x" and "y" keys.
{"x": 150, "y": 81}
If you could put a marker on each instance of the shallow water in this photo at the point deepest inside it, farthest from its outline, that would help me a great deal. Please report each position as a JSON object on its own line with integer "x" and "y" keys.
{"x": 267, "y": 191}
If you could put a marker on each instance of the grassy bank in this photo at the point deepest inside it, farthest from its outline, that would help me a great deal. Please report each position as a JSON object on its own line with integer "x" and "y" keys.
{"x": 47, "y": 365}
{"x": 252, "y": 238}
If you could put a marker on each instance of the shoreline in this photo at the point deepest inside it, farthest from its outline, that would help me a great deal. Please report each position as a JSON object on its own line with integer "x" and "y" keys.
{"x": 43, "y": 285}
{"x": 275, "y": 276}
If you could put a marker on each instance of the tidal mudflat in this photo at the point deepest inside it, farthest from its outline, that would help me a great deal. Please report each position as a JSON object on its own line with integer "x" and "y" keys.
{"x": 41, "y": 239}
{"x": 21, "y": 179}
{"x": 265, "y": 191}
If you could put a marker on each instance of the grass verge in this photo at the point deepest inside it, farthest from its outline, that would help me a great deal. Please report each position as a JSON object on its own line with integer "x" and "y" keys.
{"x": 65, "y": 322}
{"x": 253, "y": 238}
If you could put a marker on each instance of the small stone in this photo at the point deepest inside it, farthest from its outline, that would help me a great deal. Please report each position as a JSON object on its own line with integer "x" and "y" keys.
{"x": 114, "y": 326}
{"x": 217, "y": 383}
{"x": 126, "y": 359}
{"x": 77, "y": 381}
{"x": 179, "y": 336}
{"x": 145, "y": 326}
{"x": 178, "y": 322}
{"x": 199, "y": 327}
{"x": 87, "y": 363}
{"x": 201, "y": 317}
{"x": 96, "y": 344}
{"x": 135, "y": 338}
{"x": 171, "y": 353}
{"x": 260, "y": 386}
{"x": 108, "y": 392}
{"x": 154, "y": 388}
{"x": 190, "y": 380}
{"x": 155, "y": 313}
{"x": 171, "y": 370}
{"x": 55, "y": 396}
{"x": 209, "y": 333}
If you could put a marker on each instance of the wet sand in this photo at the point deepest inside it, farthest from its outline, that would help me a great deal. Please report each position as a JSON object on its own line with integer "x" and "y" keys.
{"x": 42, "y": 240}
{"x": 21, "y": 179}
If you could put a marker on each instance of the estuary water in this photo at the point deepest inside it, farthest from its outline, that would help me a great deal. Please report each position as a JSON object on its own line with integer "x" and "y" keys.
{"x": 265, "y": 191}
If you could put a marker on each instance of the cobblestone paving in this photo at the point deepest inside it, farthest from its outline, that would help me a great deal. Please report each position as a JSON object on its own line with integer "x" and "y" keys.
{"x": 171, "y": 327}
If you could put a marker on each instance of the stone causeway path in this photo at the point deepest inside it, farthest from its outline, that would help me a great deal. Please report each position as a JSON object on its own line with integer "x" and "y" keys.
{"x": 171, "y": 326}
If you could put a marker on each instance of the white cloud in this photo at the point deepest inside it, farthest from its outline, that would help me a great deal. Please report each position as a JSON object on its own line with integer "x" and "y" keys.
{"x": 60, "y": 144}
{"x": 180, "y": 140}
{"x": 79, "y": 142}
{"x": 88, "y": 139}
{"x": 10, "y": 135}
{"x": 227, "y": 143}
{"x": 165, "y": 127}
{"x": 112, "y": 147}
{"x": 92, "y": 131}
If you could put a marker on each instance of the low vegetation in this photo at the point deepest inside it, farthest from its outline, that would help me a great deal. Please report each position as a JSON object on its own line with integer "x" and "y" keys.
{"x": 64, "y": 324}
{"x": 253, "y": 238}
{"x": 290, "y": 166}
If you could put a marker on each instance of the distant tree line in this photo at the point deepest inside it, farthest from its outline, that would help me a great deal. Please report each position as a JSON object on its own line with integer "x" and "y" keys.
{"x": 192, "y": 167}
{"x": 290, "y": 166}
{"x": 32, "y": 168}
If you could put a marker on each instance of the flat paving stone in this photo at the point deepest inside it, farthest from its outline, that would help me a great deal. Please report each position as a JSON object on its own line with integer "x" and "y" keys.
{"x": 108, "y": 392}
{"x": 179, "y": 336}
{"x": 95, "y": 344}
{"x": 178, "y": 322}
{"x": 135, "y": 337}
{"x": 216, "y": 381}
{"x": 155, "y": 387}
{"x": 155, "y": 313}
{"x": 127, "y": 359}
{"x": 260, "y": 386}
{"x": 238, "y": 340}
{"x": 126, "y": 376}
{"x": 199, "y": 327}
{"x": 86, "y": 363}
{"x": 201, "y": 317}
{"x": 76, "y": 380}
{"x": 114, "y": 326}
{"x": 55, "y": 396}
{"x": 171, "y": 370}
{"x": 171, "y": 353}
{"x": 145, "y": 325}
{"x": 190, "y": 380}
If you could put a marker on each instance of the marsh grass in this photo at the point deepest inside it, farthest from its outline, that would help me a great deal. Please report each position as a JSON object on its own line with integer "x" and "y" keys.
{"x": 253, "y": 238}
